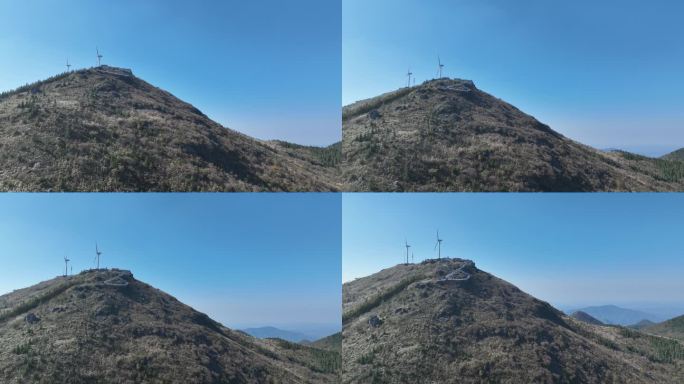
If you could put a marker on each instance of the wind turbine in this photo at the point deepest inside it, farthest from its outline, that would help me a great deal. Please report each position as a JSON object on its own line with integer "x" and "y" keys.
{"x": 440, "y": 66}
{"x": 97, "y": 253}
{"x": 439, "y": 245}
{"x": 68, "y": 65}
{"x": 409, "y": 73}
{"x": 99, "y": 57}
{"x": 66, "y": 263}
{"x": 407, "y": 249}
{"x": 412, "y": 258}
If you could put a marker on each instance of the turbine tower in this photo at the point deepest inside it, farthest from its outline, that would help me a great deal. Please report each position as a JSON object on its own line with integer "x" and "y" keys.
{"x": 440, "y": 66}
{"x": 409, "y": 73}
{"x": 99, "y": 56}
{"x": 407, "y": 250}
{"x": 439, "y": 245}
{"x": 97, "y": 257}
{"x": 68, "y": 65}
{"x": 66, "y": 263}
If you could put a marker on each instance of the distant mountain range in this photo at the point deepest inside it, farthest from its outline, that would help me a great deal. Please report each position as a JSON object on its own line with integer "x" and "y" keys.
{"x": 273, "y": 332}
{"x": 612, "y": 314}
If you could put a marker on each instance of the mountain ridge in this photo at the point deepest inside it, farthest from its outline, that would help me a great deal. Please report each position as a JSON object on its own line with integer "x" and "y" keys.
{"x": 104, "y": 326}
{"x": 672, "y": 328}
{"x": 585, "y": 317}
{"x": 674, "y": 155}
{"x": 103, "y": 129}
{"x": 273, "y": 332}
{"x": 447, "y": 135}
{"x": 445, "y": 320}
{"x": 613, "y": 314}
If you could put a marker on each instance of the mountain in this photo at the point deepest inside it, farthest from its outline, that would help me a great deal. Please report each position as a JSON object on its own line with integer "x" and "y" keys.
{"x": 611, "y": 314}
{"x": 446, "y": 321}
{"x": 447, "y": 135}
{"x": 273, "y": 332}
{"x": 585, "y": 317}
{"x": 105, "y": 326}
{"x": 675, "y": 155}
{"x": 673, "y": 328}
{"x": 331, "y": 343}
{"x": 103, "y": 129}
{"x": 642, "y": 324}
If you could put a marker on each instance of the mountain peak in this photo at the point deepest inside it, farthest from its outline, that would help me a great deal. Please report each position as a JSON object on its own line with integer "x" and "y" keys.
{"x": 113, "y": 70}
{"x": 585, "y": 317}
{"x": 448, "y": 135}
{"x": 446, "y": 84}
{"x": 104, "y": 129}
{"x": 441, "y": 319}
{"x": 106, "y": 326}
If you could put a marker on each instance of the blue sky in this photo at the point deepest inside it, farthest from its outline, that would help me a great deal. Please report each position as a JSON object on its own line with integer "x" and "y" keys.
{"x": 244, "y": 259}
{"x": 571, "y": 250}
{"x": 267, "y": 68}
{"x": 607, "y": 73}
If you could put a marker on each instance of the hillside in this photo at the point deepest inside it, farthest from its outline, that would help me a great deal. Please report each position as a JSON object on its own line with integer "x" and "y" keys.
{"x": 449, "y": 322}
{"x": 675, "y": 155}
{"x": 330, "y": 343}
{"x": 447, "y": 135}
{"x": 673, "y": 328}
{"x": 103, "y": 129}
{"x": 585, "y": 317}
{"x": 104, "y": 326}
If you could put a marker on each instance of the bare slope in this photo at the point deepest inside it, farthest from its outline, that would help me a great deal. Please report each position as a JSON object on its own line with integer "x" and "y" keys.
{"x": 447, "y": 135}
{"x": 103, "y": 129}
{"x": 448, "y": 322}
{"x": 106, "y": 327}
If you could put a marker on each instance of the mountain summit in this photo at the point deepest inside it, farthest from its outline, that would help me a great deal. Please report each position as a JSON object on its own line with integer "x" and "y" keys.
{"x": 104, "y": 326}
{"x": 103, "y": 129}
{"x": 447, "y": 135}
{"x": 446, "y": 321}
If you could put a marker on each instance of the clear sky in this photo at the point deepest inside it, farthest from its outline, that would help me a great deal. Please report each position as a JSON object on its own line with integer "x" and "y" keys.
{"x": 268, "y": 68}
{"x": 571, "y": 250}
{"x": 244, "y": 259}
{"x": 607, "y": 73}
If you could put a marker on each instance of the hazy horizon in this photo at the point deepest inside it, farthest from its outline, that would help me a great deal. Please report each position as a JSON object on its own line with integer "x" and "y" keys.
{"x": 265, "y": 68}
{"x": 566, "y": 249}
{"x": 240, "y": 258}
{"x": 606, "y": 74}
